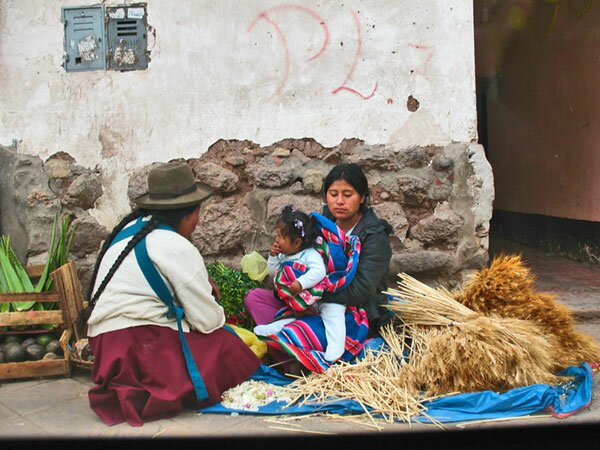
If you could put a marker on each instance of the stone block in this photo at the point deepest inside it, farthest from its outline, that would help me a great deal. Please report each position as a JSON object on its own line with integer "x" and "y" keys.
{"x": 417, "y": 262}
{"x": 442, "y": 225}
{"x": 217, "y": 177}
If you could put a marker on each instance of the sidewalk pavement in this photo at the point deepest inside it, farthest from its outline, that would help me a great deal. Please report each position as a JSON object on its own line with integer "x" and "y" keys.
{"x": 58, "y": 408}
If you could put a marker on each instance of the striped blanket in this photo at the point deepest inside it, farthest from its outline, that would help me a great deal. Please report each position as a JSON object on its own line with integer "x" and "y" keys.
{"x": 340, "y": 254}
{"x": 304, "y": 339}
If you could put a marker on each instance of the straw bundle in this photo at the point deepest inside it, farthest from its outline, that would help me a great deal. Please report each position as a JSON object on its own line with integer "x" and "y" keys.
{"x": 506, "y": 289}
{"x": 374, "y": 381}
{"x": 461, "y": 351}
{"x": 479, "y": 355}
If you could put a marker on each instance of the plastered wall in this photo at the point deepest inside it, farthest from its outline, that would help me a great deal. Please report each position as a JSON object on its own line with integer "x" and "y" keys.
{"x": 257, "y": 70}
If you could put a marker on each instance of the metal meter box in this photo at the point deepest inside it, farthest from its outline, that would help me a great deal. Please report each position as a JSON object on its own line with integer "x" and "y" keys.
{"x": 85, "y": 46}
{"x": 126, "y": 34}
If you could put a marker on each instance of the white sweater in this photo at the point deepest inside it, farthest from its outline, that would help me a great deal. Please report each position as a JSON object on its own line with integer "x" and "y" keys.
{"x": 129, "y": 301}
{"x": 316, "y": 270}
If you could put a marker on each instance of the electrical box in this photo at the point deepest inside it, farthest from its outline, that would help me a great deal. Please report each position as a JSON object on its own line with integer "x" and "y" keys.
{"x": 85, "y": 46}
{"x": 126, "y": 34}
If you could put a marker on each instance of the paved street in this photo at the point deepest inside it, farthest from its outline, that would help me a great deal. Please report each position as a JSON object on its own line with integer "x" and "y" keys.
{"x": 58, "y": 408}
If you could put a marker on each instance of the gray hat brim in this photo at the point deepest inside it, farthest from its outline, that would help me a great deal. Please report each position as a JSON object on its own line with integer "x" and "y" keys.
{"x": 201, "y": 193}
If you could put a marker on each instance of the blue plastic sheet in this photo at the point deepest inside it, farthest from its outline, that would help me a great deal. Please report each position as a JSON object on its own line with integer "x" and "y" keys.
{"x": 561, "y": 400}
{"x": 269, "y": 375}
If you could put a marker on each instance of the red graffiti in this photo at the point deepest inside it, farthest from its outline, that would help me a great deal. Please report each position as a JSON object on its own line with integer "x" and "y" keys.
{"x": 266, "y": 16}
{"x": 286, "y": 65}
{"x": 357, "y": 54}
{"x": 355, "y": 92}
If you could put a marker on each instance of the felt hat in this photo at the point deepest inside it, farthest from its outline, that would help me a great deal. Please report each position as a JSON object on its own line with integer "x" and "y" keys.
{"x": 172, "y": 186}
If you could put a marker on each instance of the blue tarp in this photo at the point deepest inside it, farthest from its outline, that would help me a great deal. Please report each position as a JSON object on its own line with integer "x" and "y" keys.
{"x": 269, "y": 375}
{"x": 561, "y": 400}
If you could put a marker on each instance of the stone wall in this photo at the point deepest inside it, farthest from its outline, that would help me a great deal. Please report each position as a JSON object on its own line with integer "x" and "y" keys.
{"x": 438, "y": 200}
{"x": 32, "y": 191}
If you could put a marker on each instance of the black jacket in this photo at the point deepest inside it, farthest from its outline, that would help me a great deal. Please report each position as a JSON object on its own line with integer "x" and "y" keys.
{"x": 371, "y": 274}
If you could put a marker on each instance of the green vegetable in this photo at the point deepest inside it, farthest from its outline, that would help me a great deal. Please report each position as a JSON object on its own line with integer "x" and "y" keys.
{"x": 15, "y": 353}
{"x": 233, "y": 286}
{"x": 35, "y": 352}
{"x": 14, "y": 278}
{"x": 58, "y": 252}
{"x": 44, "y": 339}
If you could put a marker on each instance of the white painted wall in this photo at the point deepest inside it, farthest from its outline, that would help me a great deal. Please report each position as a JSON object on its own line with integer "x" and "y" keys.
{"x": 220, "y": 69}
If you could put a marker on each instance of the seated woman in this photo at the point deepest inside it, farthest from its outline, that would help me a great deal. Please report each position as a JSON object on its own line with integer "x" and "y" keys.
{"x": 346, "y": 192}
{"x": 156, "y": 329}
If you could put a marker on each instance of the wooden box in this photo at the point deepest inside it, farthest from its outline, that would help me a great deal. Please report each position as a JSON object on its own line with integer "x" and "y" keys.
{"x": 42, "y": 368}
{"x": 67, "y": 296}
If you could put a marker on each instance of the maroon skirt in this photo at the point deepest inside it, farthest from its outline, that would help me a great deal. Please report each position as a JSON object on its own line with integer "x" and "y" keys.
{"x": 141, "y": 374}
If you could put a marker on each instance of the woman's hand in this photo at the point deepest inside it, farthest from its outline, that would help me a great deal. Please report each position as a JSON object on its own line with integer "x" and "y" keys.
{"x": 275, "y": 249}
{"x": 215, "y": 289}
{"x": 295, "y": 288}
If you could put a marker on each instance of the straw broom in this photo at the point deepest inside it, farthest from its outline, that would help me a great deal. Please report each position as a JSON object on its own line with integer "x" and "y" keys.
{"x": 506, "y": 289}
{"x": 462, "y": 351}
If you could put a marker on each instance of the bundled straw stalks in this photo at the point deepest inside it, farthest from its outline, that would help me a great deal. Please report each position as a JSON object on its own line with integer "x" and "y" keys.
{"x": 441, "y": 346}
{"x": 506, "y": 289}
{"x": 455, "y": 349}
{"x": 375, "y": 382}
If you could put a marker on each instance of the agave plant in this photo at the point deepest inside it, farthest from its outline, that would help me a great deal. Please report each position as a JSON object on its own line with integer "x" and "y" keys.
{"x": 14, "y": 278}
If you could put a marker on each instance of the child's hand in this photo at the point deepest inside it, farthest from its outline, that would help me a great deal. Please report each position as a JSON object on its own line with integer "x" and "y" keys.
{"x": 295, "y": 288}
{"x": 275, "y": 250}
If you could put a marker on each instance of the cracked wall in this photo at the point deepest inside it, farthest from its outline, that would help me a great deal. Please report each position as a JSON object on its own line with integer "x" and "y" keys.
{"x": 390, "y": 86}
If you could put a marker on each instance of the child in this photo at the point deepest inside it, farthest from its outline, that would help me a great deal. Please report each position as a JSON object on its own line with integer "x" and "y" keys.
{"x": 294, "y": 242}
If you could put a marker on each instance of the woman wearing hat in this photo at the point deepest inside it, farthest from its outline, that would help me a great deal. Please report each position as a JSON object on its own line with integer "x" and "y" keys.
{"x": 156, "y": 331}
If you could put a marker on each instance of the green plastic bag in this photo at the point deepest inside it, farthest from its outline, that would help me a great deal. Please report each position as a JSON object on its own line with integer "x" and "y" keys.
{"x": 255, "y": 266}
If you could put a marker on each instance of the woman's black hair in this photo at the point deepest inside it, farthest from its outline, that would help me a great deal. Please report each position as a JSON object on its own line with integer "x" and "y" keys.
{"x": 296, "y": 224}
{"x": 168, "y": 217}
{"x": 353, "y": 175}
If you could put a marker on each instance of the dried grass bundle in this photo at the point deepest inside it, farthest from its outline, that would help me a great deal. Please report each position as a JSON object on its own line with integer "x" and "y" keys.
{"x": 457, "y": 350}
{"x": 506, "y": 289}
{"x": 374, "y": 382}
{"x": 479, "y": 354}
{"x": 444, "y": 346}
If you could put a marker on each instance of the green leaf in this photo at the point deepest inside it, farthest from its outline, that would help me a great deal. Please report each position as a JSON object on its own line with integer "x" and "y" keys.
{"x": 233, "y": 286}
{"x": 58, "y": 251}
{"x": 19, "y": 269}
{"x": 3, "y": 282}
{"x": 16, "y": 277}
{"x": 42, "y": 281}
{"x": 12, "y": 279}
{"x": 24, "y": 306}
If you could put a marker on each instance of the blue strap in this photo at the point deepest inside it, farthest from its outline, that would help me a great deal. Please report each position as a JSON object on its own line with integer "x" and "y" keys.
{"x": 336, "y": 252}
{"x": 133, "y": 229}
{"x": 159, "y": 286}
{"x": 162, "y": 291}
{"x": 228, "y": 328}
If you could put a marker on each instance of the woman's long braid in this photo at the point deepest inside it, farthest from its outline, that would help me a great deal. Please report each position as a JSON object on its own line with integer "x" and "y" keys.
{"x": 146, "y": 229}
{"x": 171, "y": 218}
{"x": 128, "y": 218}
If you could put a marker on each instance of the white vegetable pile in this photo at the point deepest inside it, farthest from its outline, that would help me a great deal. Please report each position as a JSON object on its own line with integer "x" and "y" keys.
{"x": 250, "y": 395}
